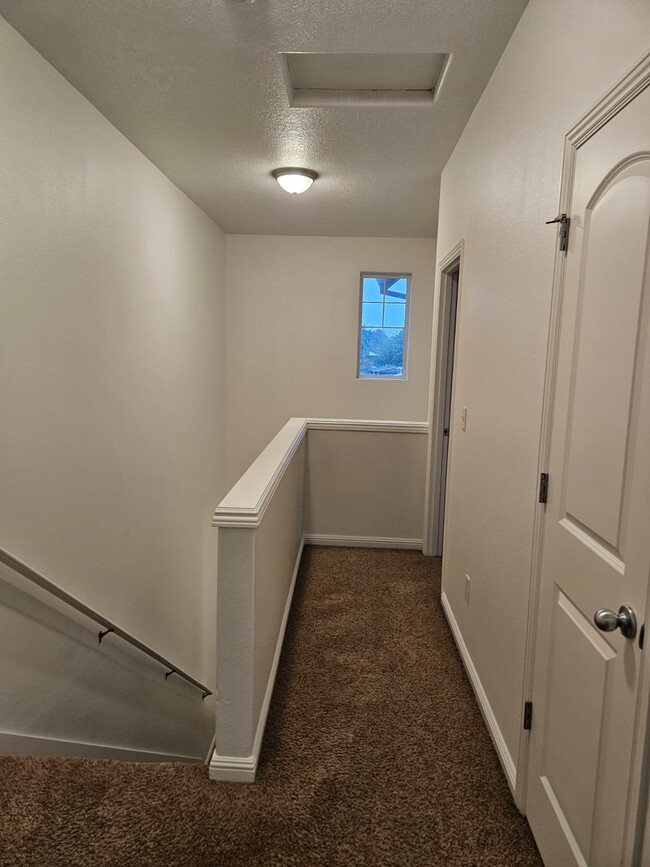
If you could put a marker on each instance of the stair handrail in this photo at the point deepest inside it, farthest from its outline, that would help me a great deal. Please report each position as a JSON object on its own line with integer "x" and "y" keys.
{"x": 109, "y": 627}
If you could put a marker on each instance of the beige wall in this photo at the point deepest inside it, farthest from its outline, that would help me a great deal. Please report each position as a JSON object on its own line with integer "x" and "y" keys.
{"x": 292, "y": 310}
{"x": 498, "y": 189}
{"x": 111, "y": 388}
{"x": 365, "y": 486}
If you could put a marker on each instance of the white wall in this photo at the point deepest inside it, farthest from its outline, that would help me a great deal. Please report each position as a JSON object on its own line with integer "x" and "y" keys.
{"x": 366, "y": 486}
{"x": 278, "y": 543}
{"x": 260, "y": 542}
{"x": 498, "y": 189}
{"x": 111, "y": 387}
{"x": 292, "y": 310}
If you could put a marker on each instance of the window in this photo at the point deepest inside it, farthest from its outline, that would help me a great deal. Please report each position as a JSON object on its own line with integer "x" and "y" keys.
{"x": 383, "y": 326}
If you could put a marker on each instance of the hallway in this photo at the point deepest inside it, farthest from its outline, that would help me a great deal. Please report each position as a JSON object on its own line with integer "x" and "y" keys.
{"x": 375, "y": 753}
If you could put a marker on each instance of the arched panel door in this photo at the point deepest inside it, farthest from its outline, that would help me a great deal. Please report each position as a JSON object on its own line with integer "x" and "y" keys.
{"x": 596, "y": 551}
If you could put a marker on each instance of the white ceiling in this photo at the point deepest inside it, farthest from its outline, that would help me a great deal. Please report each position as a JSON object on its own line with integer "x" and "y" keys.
{"x": 199, "y": 87}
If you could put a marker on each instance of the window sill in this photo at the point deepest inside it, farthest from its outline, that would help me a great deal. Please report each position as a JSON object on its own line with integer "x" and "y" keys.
{"x": 382, "y": 378}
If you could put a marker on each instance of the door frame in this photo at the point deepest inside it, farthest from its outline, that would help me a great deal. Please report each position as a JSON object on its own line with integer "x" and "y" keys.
{"x": 623, "y": 92}
{"x": 452, "y": 262}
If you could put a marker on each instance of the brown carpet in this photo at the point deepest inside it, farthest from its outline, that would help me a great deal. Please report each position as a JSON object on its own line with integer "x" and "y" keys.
{"x": 375, "y": 754}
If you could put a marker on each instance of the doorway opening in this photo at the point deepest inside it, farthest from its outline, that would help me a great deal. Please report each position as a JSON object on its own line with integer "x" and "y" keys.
{"x": 448, "y": 378}
{"x": 441, "y": 431}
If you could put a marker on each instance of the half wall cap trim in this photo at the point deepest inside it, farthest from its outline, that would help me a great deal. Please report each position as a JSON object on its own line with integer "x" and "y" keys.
{"x": 245, "y": 504}
{"x": 368, "y": 425}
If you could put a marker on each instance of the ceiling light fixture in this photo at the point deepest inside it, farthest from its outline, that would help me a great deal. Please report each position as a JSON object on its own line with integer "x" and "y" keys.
{"x": 295, "y": 180}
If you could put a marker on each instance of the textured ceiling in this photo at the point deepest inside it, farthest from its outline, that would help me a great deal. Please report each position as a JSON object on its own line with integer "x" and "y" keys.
{"x": 198, "y": 86}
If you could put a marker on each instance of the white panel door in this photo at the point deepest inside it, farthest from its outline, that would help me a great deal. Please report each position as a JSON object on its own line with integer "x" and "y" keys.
{"x": 596, "y": 551}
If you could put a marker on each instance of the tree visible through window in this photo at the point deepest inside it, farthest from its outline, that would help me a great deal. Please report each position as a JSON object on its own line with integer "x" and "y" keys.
{"x": 384, "y": 325}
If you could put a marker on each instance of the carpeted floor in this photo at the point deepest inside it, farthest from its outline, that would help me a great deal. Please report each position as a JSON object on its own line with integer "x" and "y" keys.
{"x": 375, "y": 754}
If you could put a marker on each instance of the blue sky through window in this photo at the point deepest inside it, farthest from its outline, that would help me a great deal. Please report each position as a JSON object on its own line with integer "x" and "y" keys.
{"x": 383, "y": 323}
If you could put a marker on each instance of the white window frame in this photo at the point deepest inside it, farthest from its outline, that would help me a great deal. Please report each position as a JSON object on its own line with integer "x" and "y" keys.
{"x": 407, "y": 326}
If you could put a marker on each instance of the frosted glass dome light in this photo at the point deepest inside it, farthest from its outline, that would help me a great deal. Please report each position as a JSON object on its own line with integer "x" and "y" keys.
{"x": 295, "y": 180}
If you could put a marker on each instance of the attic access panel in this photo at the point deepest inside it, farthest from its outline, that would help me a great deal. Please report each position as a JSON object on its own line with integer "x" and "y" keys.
{"x": 363, "y": 79}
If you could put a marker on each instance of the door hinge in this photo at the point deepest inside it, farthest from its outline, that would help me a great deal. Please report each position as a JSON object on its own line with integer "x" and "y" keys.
{"x": 543, "y": 487}
{"x": 528, "y": 715}
{"x": 565, "y": 224}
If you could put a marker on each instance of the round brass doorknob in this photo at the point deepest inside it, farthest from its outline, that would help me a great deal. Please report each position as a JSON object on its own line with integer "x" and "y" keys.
{"x": 625, "y": 620}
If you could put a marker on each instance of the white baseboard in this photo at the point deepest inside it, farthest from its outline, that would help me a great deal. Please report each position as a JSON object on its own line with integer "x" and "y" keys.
{"x": 362, "y": 541}
{"x": 242, "y": 769}
{"x": 231, "y": 769}
{"x": 488, "y": 714}
{"x": 13, "y": 744}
